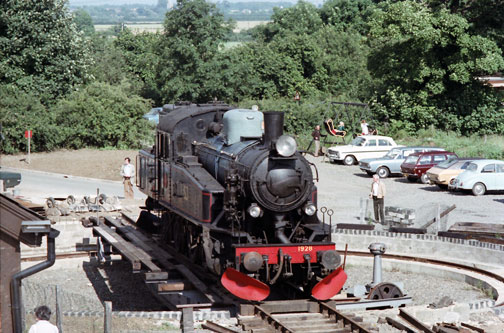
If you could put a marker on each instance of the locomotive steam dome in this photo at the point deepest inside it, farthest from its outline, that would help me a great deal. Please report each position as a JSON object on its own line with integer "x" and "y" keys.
{"x": 240, "y": 123}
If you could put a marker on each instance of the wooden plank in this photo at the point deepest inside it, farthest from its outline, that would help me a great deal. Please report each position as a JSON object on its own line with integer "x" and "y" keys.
{"x": 474, "y": 328}
{"x": 398, "y": 325}
{"x": 133, "y": 253}
{"x": 197, "y": 283}
{"x": 487, "y": 229}
{"x": 174, "y": 286}
{"x": 415, "y": 322}
{"x": 443, "y": 214}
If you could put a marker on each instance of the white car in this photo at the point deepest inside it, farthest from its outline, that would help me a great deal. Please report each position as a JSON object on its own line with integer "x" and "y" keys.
{"x": 480, "y": 176}
{"x": 364, "y": 146}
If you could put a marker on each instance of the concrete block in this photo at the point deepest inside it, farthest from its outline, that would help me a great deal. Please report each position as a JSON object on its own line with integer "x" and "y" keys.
{"x": 451, "y": 317}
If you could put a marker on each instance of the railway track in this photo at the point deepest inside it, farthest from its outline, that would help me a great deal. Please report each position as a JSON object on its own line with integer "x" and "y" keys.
{"x": 167, "y": 273}
{"x": 322, "y": 318}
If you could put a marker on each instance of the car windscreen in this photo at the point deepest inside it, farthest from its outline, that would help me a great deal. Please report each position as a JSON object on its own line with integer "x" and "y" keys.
{"x": 465, "y": 165}
{"x": 411, "y": 159}
{"x": 393, "y": 153}
{"x": 446, "y": 164}
{"x": 358, "y": 141}
{"x": 472, "y": 167}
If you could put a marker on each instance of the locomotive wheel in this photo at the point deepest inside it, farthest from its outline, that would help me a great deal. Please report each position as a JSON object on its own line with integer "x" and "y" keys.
{"x": 385, "y": 290}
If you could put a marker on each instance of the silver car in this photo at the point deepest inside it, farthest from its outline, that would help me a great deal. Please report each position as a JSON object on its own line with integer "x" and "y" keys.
{"x": 390, "y": 164}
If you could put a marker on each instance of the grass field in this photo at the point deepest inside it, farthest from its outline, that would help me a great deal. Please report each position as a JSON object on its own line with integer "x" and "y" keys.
{"x": 158, "y": 27}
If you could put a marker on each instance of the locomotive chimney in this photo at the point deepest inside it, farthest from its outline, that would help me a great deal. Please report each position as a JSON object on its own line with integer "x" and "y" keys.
{"x": 273, "y": 126}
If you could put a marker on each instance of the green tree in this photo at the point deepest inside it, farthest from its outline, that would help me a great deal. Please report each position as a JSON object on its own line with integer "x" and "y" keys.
{"x": 303, "y": 18}
{"x": 427, "y": 61}
{"x": 83, "y": 22}
{"x": 40, "y": 50}
{"x": 21, "y": 111}
{"x": 193, "y": 32}
{"x": 486, "y": 17}
{"x": 347, "y": 15}
{"x": 141, "y": 56}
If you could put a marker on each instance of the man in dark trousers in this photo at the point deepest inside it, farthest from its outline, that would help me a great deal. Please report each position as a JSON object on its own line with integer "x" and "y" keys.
{"x": 378, "y": 192}
{"x": 316, "y": 139}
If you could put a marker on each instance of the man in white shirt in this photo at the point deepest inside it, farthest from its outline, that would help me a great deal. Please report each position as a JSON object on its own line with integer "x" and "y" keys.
{"x": 43, "y": 314}
{"x": 128, "y": 172}
{"x": 378, "y": 192}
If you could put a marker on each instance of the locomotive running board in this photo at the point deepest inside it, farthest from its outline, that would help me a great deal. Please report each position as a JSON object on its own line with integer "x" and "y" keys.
{"x": 330, "y": 285}
{"x": 243, "y": 286}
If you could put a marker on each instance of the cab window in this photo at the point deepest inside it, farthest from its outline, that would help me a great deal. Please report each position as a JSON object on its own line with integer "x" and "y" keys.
{"x": 439, "y": 158}
{"x": 500, "y": 168}
{"x": 488, "y": 168}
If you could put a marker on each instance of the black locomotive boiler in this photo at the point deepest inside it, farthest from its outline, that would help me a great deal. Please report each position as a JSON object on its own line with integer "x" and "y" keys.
{"x": 238, "y": 198}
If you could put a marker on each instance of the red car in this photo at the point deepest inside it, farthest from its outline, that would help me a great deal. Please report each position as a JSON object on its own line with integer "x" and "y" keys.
{"x": 416, "y": 165}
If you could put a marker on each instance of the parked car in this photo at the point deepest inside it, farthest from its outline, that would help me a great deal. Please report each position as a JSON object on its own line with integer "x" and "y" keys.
{"x": 481, "y": 176}
{"x": 364, "y": 146}
{"x": 9, "y": 179}
{"x": 390, "y": 164}
{"x": 153, "y": 115}
{"x": 416, "y": 165}
{"x": 444, "y": 172}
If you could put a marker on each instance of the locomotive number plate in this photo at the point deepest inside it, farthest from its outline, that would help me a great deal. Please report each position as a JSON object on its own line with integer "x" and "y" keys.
{"x": 305, "y": 248}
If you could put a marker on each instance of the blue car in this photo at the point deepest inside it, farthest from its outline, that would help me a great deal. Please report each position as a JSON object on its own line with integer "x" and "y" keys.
{"x": 153, "y": 115}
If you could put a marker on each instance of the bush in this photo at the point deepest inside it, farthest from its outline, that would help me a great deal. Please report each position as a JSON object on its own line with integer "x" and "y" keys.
{"x": 101, "y": 115}
{"x": 464, "y": 146}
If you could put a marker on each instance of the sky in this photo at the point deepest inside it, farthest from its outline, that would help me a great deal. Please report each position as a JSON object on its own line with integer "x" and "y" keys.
{"x": 153, "y": 2}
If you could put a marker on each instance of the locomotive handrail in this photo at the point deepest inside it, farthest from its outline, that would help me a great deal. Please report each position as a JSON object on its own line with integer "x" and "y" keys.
{"x": 316, "y": 170}
{"x": 196, "y": 143}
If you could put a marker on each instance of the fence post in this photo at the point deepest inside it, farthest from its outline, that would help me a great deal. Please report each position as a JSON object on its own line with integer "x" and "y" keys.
{"x": 107, "y": 326}
{"x": 361, "y": 210}
{"x": 58, "y": 309}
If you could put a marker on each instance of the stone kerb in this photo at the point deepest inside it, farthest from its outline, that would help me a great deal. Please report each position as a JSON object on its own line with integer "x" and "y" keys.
{"x": 479, "y": 254}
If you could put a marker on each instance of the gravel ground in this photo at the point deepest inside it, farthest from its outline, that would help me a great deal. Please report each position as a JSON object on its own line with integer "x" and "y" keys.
{"x": 424, "y": 289}
{"x": 340, "y": 188}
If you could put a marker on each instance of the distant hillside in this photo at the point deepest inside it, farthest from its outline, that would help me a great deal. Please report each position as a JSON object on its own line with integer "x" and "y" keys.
{"x": 150, "y": 11}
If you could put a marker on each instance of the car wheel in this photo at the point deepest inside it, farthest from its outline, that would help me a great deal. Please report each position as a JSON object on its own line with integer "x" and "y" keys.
{"x": 349, "y": 160}
{"x": 412, "y": 179}
{"x": 425, "y": 179}
{"x": 383, "y": 172}
{"x": 478, "y": 189}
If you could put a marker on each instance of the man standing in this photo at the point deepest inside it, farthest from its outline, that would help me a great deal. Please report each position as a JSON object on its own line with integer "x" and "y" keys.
{"x": 378, "y": 192}
{"x": 128, "y": 172}
{"x": 316, "y": 138}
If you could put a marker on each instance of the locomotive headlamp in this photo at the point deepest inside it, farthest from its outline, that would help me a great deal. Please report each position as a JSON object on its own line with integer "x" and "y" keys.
{"x": 255, "y": 211}
{"x": 330, "y": 259}
{"x": 286, "y": 145}
{"x": 310, "y": 209}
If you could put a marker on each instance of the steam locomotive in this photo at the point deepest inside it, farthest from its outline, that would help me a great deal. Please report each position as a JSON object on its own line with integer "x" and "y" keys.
{"x": 237, "y": 197}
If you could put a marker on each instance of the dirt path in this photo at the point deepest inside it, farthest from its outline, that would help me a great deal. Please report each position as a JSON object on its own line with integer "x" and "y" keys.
{"x": 93, "y": 163}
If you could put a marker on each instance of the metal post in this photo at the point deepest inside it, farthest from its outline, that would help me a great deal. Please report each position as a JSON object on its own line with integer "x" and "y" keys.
{"x": 29, "y": 143}
{"x": 377, "y": 249}
{"x": 361, "y": 211}
{"x": 438, "y": 218}
{"x": 107, "y": 325}
{"x": 58, "y": 309}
